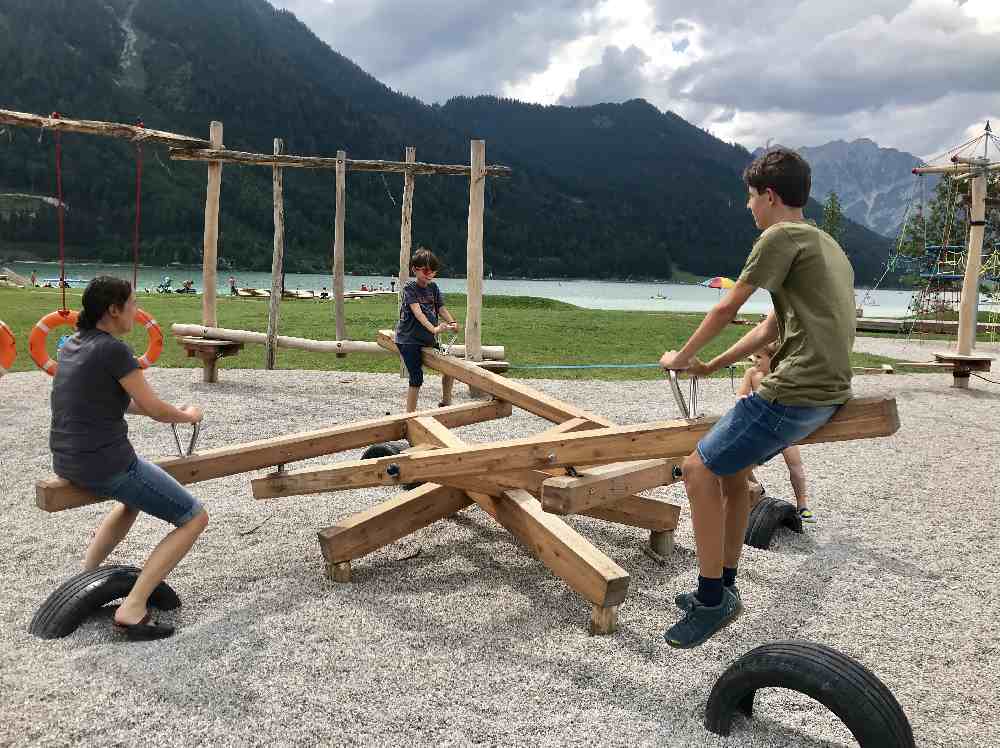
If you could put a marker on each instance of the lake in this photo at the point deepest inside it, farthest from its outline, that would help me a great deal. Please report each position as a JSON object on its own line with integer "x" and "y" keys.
{"x": 650, "y": 297}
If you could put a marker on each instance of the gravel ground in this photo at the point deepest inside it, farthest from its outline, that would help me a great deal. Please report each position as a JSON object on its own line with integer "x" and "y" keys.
{"x": 472, "y": 641}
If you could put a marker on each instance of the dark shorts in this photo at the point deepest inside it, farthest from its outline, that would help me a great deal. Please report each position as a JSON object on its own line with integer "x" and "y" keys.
{"x": 148, "y": 488}
{"x": 756, "y": 430}
{"x": 410, "y": 353}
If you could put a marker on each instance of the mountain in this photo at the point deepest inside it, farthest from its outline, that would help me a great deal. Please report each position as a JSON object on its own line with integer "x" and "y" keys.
{"x": 613, "y": 191}
{"x": 874, "y": 184}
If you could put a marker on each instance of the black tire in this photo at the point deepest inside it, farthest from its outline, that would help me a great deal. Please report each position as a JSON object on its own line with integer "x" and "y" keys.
{"x": 841, "y": 684}
{"x": 80, "y": 596}
{"x": 387, "y": 449}
{"x": 766, "y": 518}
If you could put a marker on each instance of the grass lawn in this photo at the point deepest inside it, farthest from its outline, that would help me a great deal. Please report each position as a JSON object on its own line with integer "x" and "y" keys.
{"x": 534, "y": 331}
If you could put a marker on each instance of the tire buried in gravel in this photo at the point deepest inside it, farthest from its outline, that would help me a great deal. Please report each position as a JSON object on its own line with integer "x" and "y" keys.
{"x": 840, "y": 683}
{"x": 82, "y": 595}
{"x": 386, "y": 449}
{"x": 766, "y": 517}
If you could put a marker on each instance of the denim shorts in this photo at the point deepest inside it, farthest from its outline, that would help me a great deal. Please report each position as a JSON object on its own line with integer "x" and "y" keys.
{"x": 756, "y": 430}
{"x": 148, "y": 488}
{"x": 410, "y": 353}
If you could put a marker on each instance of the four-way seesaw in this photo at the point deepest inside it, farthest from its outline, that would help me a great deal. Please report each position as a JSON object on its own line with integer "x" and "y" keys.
{"x": 584, "y": 464}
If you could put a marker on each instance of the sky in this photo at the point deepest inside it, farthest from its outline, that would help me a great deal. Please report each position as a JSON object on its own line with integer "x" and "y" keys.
{"x": 918, "y": 75}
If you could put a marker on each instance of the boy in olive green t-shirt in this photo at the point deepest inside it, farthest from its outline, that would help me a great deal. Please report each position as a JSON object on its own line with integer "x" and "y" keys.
{"x": 811, "y": 283}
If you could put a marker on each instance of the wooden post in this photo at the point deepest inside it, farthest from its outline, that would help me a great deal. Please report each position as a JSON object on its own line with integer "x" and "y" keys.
{"x": 967, "y": 312}
{"x": 277, "y": 261}
{"x": 210, "y": 257}
{"x": 338, "y": 249}
{"x": 474, "y": 253}
{"x": 406, "y": 234}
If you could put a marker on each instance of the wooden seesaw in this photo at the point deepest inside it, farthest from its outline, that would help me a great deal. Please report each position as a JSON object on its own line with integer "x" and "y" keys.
{"x": 584, "y": 464}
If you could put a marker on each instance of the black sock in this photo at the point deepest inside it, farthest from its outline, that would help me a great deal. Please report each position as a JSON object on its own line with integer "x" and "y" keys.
{"x": 728, "y": 576}
{"x": 710, "y": 590}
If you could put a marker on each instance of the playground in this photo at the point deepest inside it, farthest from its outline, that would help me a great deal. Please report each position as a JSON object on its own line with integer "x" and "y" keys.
{"x": 457, "y": 634}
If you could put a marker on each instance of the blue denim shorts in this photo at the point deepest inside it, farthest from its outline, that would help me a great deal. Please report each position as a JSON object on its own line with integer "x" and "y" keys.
{"x": 148, "y": 488}
{"x": 756, "y": 430}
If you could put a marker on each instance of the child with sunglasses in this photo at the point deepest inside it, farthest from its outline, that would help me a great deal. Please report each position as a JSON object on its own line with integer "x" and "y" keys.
{"x": 419, "y": 314}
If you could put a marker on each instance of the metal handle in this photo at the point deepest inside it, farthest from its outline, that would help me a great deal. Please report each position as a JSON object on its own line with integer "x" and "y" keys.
{"x": 195, "y": 430}
{"x": 688, "y": 410}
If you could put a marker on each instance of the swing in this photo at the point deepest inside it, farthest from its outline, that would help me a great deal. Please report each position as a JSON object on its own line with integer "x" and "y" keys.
{"x": 66, "y": 317}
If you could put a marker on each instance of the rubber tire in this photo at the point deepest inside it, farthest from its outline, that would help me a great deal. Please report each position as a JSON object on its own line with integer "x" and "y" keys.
{"x": 765, "y": 519}
{"x": 82, "y": 595}
{"x": 840, "y": 683}
{"x": 386, "y": 449}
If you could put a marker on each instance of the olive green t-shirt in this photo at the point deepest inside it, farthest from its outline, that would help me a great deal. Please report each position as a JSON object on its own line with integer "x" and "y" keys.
{"x": 812, "y": 287}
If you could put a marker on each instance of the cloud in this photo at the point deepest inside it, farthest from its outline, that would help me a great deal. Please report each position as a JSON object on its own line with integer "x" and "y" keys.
{"x": 618, "y": 77}
{"x": 436, "y": 49}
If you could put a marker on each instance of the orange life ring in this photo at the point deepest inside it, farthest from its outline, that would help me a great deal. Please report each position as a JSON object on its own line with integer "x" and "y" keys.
{"x": 8, "y": 348}
{"x": 155, "y": 347}
{"x": 40, "y": 333}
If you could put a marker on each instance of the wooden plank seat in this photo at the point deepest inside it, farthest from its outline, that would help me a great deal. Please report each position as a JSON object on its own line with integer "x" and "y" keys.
{"x": 210, "y": 351}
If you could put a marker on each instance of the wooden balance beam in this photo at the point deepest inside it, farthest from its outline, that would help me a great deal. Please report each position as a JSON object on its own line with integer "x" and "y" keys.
{"x": 56, "y": 494}
{"x": 861, "y": 418}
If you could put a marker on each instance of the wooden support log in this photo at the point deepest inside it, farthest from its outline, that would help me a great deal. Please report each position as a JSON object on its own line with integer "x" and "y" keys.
{"x": 381, "y": 525}
{"x": 317, "y": 162}
{"x": 338, "y": 247}
{"x": 210, "y": 249}
{"x": 492, "y": 352}
{"x": 56, "y": 494}
{"x": 502, "y": 388}
{"x": 277, "y": 262}
{"x": 474, "y": 253}
{"x": 107, "y": 129}
{"x": 859, "y": 419}
{"x": 406, "y": 236}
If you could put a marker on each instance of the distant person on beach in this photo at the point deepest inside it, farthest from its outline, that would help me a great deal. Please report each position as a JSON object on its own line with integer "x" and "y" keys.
{"x": 233, "y": 290}
{"x": 419, "y": 312}
{"x": 792, "y": 456}
{"x": 97, "y": 382}
{"x": 811, "y": 283}
{"x": 34, "y": 279}
{"x": 394, "y": 286}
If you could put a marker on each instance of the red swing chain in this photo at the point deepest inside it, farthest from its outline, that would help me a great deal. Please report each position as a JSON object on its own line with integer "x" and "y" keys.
{"x": 59, "y": 211}
{"x": 138, "y": 210}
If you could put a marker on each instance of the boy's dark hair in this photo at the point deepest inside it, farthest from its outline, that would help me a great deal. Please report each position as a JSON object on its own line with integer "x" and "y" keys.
{"x": 785, "y": 172}
{"x": 101, "y": 293}
{"x": 424, "y": 258}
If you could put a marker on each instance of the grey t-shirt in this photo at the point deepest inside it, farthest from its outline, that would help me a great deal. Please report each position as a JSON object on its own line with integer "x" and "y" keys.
{"x": 409, "y": 330}
{"x": 89, "y": 436}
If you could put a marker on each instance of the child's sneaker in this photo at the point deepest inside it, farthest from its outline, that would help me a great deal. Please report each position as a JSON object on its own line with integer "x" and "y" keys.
{"x": 702, "y": 621}
{"x": 806, "y": 515}
{"x": 685, "y": 600}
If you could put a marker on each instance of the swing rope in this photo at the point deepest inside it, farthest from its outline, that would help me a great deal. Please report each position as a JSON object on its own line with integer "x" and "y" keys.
{"x": 138, "y": 210}
{"x": 59, "y": 211}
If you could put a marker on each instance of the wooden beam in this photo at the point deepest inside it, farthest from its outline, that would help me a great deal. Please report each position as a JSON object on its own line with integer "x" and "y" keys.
{"x": 277, "y": 262}
{"x": 381, "y": 525}
{"x": 427, "y": 430}
{"x": 107, "y": 129}
{"x": 606, "y": 483}
{"x": 406, "y": 236}
{"x": 491, "y": 352}
{"x": 56, "y": 494}
{"x": 859, "y": 419}
{"x": 500, "y": 387}
{"x": 219, "y": 155}
{"x": 338, "y": 247}
{"x": 210, "y": 249}
{"x": 474, "y": 252}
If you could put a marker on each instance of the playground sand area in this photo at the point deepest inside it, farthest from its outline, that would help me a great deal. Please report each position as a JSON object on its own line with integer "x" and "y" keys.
{"x": 456, "y": 635}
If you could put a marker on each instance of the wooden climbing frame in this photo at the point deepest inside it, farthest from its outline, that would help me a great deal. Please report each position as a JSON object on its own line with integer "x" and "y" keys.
{"x": 584, "y": 464}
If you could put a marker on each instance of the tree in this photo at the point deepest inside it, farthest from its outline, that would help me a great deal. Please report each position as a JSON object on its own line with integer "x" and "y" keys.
{"x": 833, "y": 217}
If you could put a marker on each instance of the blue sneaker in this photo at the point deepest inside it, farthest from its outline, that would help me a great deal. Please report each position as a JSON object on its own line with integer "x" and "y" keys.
{"x": 685, "y": 600}
{"x": 702, "y": 621}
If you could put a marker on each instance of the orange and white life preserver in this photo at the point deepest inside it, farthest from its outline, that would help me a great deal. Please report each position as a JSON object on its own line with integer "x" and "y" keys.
{"x": 155, "y": 347}
{"x": 8, "y": 348}
{"x": 40, "y": 333}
